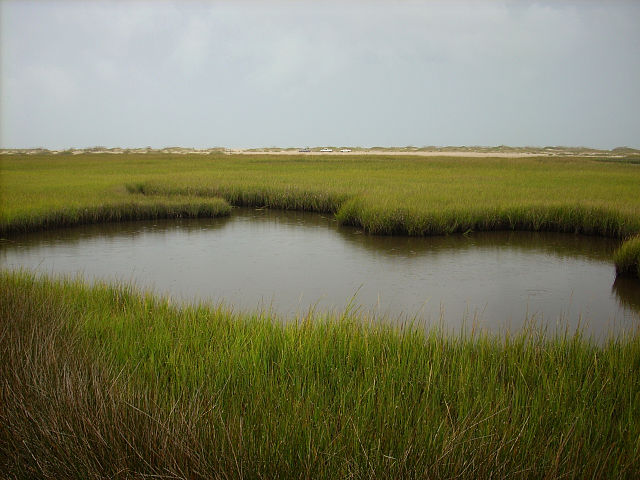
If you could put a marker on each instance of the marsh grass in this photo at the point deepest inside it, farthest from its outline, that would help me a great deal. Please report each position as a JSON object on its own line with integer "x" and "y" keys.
{"x": 390, "y": 220}
{"x": 109, "y": 382}
{"x": 106, "y": 381}
{"x": 383, "y": 195}
{"x": 627, "y": 257}
{"x": 289, "y": 197}
{"x": 147, "y": 208}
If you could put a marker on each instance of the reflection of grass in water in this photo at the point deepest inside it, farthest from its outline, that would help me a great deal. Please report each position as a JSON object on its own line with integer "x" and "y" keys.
{"x": 562, "y": 246}
{"x": 124, "y": 229}
{"x": 627, "y": 289}
{"x": 104, "y": 381}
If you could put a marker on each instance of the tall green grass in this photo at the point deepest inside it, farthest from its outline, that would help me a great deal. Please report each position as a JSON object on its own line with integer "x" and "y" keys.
{"x": 146, "y": 208}
{"x": 289, "y": 197}
{"x": 433, "y": 196}
{"x": 48, "y": 191}
{"x": 627, "y": 257}
{"x": 382, "y": 194}
{"x": 415, "y": 221}
{"x": 105, "y": 381}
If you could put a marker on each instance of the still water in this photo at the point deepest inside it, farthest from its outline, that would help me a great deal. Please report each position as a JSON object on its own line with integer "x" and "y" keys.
{"x": 289, "y": 262}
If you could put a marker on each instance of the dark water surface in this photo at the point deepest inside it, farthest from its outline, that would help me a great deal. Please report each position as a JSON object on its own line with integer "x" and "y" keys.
{"x": 291, "y": 261}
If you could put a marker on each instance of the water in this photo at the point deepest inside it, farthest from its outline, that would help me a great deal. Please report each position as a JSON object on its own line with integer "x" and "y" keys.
{"x": 289, "y": 262}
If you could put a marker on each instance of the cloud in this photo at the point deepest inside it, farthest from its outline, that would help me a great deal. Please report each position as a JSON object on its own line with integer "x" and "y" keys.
{"x": 250, "y": 74}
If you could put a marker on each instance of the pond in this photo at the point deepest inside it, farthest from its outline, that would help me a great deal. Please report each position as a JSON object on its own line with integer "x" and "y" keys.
{"x": 291, "y": 262}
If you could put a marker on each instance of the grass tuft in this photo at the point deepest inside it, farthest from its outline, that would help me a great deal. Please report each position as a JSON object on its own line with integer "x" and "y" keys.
{"x": 627, "y": 257}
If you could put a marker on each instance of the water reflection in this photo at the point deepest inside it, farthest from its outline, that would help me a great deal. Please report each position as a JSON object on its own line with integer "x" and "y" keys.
{"x": 108, "y": 231}
{"x": 560, "y": 245}
{"x": 289, "y": 261}
{"x": 627, "y": 289}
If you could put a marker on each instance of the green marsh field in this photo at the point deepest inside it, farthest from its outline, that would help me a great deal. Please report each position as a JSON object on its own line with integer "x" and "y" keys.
{"x": 401, "y": 195}
{"x": 106, "y": 381}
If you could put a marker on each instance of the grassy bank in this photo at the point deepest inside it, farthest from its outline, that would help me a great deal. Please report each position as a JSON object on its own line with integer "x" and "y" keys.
{"x": 383, "y": 195}
{"x": 140, "y": 208}
{"x": 107, "y": 382}
{"x": 627, "y": 257}
{"x": 420, "y": 196}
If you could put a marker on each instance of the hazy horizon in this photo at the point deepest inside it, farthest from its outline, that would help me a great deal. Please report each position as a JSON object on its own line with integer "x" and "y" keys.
{"x": 371, "y": 147}
{"x": 283, "y": 74}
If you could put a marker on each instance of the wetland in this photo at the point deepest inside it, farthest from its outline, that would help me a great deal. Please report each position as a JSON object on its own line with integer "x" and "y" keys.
{"x": 257, "y": 320}
{"x": 289, "y": 262}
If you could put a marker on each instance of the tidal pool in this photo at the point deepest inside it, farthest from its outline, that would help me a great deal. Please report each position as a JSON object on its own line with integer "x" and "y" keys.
{"x": 290, "y": 262}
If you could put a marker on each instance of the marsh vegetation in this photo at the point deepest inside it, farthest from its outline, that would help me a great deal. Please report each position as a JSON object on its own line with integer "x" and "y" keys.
{"x": 383, "y": 195}
{"x": 288, "y": 262}
{"x": 108, "y": 381}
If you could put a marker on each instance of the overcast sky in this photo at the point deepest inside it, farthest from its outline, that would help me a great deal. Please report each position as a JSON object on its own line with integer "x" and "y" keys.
{"x": 243, "y": 74}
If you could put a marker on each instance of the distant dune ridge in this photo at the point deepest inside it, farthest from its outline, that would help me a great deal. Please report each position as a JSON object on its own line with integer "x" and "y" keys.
{"x": 467, "y": 151}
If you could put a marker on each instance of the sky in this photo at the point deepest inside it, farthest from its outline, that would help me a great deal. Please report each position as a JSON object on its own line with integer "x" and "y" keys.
{"x": 301, "y": 73}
